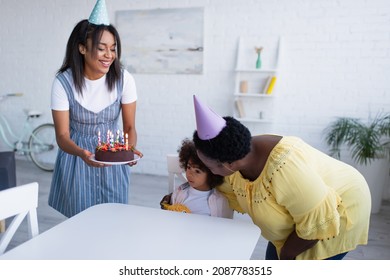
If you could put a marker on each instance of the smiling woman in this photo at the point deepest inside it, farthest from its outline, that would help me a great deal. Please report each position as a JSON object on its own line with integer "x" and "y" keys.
{"x": 88, "y": 95}
{"x": 97, "y": 60}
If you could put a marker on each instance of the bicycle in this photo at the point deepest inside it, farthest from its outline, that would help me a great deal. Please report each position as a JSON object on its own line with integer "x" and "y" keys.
{"x": 41, "y": 144}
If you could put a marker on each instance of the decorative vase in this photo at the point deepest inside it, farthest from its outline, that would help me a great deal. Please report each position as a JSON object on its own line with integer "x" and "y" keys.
{"x": 258, "y": 62}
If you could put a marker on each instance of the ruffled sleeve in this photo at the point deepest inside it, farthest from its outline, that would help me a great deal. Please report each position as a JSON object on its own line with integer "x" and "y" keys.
{"x": 310, "y": 202}
{"x": 322, "y": 222}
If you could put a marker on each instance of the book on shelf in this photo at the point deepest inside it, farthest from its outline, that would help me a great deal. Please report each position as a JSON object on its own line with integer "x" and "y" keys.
{"x": 267, "y": 83}
{"x": 243, "y": 86}
{"x": 271, "y": 85}
{"x": 240, "y": 108}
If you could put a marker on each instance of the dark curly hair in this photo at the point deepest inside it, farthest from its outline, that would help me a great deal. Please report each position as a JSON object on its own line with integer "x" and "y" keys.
{"x": 187, "y": 152}
{"x": 231, "y": 144}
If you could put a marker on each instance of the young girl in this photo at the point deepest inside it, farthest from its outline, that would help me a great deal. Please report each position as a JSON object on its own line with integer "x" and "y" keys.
{"x": 198, "y": 195}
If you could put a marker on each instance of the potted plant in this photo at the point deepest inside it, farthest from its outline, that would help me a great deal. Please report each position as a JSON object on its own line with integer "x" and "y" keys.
{"x": 369, "y": 145}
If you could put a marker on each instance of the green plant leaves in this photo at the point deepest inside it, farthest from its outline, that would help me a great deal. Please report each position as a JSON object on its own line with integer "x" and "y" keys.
{"x": 366, "y": 141}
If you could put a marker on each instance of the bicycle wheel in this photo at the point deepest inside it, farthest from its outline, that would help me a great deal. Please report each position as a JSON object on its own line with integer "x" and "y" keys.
{"x": 43, "y": 146}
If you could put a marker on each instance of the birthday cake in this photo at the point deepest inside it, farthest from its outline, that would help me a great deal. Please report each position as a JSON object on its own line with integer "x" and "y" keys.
{"x": 114, "y": 151}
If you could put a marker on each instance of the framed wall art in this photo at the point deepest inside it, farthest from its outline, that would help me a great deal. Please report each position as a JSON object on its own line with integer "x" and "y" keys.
{"x": 162, "y": 41}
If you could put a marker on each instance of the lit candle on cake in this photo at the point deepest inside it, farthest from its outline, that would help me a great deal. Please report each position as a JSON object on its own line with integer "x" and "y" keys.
{"x": 112, "y": 139}
{"x": 108, "y": 137}
{"x": 99, "y": 142}
{"x": 123, "y": 138}
{"x": 127, "y": 141}
{"x": 117, "y": 136}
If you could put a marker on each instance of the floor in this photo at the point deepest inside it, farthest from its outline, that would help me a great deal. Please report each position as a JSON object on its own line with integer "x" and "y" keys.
{"x": 147, "y": 190}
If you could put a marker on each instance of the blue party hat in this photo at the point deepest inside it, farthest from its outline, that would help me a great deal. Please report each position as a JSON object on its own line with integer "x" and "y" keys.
{"x": 99, "y": 14}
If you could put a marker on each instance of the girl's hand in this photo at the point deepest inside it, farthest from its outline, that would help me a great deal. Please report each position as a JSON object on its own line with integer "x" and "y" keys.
{"x": 165, "y": 200}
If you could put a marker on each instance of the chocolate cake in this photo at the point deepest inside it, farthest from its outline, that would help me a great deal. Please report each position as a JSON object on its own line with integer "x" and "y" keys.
{"x": 117, "y": 153}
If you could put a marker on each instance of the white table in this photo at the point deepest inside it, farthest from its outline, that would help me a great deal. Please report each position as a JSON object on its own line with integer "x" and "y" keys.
{"x": 118, "y": 232}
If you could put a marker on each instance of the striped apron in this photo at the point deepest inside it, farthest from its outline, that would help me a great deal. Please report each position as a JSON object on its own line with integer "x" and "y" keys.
{"x": 76, "y": 186}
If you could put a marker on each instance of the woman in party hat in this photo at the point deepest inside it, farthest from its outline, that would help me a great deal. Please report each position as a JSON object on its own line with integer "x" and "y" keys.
{"x": 308, "y": 205}
{"x": 89, "y": 92}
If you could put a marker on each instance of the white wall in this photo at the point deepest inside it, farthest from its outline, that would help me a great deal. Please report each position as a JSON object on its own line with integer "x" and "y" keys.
{"x": 336, "y": 63}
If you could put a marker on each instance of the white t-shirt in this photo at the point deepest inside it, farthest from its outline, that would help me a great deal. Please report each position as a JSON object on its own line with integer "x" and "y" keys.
{"x": 197, "y": 201}
{"x": 95, "y": 95}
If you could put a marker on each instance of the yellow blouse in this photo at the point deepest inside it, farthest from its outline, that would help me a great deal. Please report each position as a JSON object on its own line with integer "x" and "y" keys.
{"x": 303, "y": 189}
